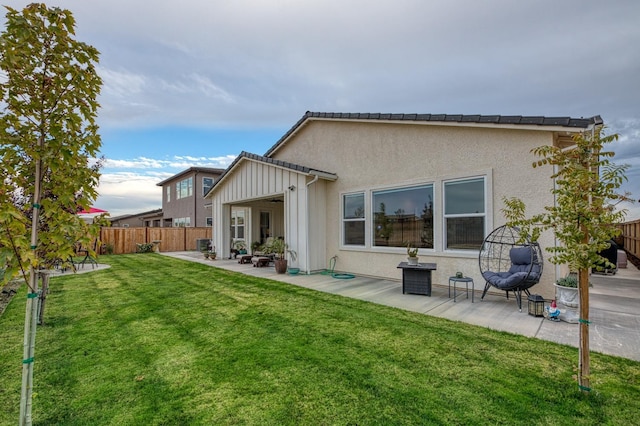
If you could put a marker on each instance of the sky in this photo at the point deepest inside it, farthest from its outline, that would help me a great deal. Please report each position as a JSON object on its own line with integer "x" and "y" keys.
{"x": 195, "y": 82}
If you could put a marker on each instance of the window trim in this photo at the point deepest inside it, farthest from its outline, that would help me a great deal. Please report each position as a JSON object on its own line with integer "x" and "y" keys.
{"x": 234, "y": 226}
{"x": 188, "y": 189}
{"x": 444, "y": 216}
{"x": 398, "y": 188}
{"x": 343, "y": 220}
{"x": 439, "y": 222}
{"x": 204, "y": 187}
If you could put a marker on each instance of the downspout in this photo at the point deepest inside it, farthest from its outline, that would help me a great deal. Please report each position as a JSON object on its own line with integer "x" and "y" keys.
{"x": 314, "y": 180}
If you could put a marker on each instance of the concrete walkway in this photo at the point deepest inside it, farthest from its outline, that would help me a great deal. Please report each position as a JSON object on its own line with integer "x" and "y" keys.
{"x": 614, "y": 305}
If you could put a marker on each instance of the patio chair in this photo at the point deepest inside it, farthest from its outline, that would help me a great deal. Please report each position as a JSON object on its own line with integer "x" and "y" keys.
{"x": 88, "y": 256}
{"x": 510, "y": 262}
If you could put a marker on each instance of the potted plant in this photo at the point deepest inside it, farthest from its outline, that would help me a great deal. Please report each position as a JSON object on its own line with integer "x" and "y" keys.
{"x": 205, "y": 253}
{"x": 240, "y": 246}
{"x": 567, "y": 290}
{"x": 280, "y": 248}
{"x": 412, "y": 253}
{"x": 213, "y": 253}
{"x": 255, "y": 246}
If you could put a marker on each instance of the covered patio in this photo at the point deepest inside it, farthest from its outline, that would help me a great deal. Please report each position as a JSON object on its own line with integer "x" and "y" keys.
{"x": 259, "y": 197}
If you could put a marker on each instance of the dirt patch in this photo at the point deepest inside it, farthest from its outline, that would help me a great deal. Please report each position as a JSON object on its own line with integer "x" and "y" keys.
{"x": 7, "y": 293}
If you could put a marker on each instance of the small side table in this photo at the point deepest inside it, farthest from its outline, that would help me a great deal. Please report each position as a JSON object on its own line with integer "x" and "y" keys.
{"x": 416, "y": 279}
{"x": 466, "y": 281}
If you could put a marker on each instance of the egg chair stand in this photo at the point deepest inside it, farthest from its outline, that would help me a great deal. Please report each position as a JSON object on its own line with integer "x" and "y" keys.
{"x": 510, "y": 262}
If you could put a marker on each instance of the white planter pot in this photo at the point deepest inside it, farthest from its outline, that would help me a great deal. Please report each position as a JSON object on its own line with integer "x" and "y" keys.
{"x": 567, "y": 296}
{"x": 412, "y": 260}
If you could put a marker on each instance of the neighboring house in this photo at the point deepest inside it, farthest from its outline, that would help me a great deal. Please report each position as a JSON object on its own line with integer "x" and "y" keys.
{"x": 183, "y": 201}
{"x": 151, "y": 219}
{"x": 360, "y": 186}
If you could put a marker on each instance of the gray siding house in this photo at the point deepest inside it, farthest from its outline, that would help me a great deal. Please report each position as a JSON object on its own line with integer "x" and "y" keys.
{"x": 183, "y": 202}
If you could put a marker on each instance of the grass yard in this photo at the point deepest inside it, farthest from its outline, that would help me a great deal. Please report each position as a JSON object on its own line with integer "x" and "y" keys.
{"x": 155, "y": 340}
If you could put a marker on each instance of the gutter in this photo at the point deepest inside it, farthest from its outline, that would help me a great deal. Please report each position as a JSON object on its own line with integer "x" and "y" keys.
{"x": 314, "y": 180}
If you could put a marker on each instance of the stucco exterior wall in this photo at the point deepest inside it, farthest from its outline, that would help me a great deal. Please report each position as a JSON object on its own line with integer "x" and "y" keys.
{"x": 379, "y": 155}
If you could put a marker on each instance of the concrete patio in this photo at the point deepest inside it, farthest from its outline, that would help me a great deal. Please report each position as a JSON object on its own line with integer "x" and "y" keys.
{"x": 614, "y": 305}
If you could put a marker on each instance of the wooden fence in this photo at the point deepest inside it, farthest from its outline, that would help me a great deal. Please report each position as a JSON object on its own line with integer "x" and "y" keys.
{"x": 631, "y": 237}
{"x": 124, "y": 240}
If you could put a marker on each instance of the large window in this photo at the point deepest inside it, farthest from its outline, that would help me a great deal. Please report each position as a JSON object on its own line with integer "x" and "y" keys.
{"x": 353, "y": 219}
{"x": 403, "y": 216}
{"x": 207, "y": 183}
{"x": 184, "y": 188}
{"x": 464, "y": 214}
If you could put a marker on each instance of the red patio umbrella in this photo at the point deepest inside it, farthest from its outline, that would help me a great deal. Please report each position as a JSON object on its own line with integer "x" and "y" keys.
{"x": 92, "y": 210}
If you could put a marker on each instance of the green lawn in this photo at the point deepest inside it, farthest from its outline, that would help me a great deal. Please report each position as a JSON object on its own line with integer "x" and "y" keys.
{"x": 155, "y": 340}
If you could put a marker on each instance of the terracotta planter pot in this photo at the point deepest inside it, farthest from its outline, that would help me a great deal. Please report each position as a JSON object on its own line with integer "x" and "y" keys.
{"x": 280, "y": 265}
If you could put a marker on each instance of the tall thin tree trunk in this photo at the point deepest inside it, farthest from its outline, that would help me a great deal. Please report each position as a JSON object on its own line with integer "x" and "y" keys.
{"x": 30, "y": 324}
{"x": 31, "y": 315}
{"x": 583, "y": 348}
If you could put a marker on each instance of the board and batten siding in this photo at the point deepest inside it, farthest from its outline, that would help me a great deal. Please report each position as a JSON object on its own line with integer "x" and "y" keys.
{"x": 252, "y": 182}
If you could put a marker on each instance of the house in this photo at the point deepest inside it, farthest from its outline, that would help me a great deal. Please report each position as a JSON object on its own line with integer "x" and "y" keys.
{"x": 362, "y": 186}
{"x": 151, "y": 219}
{"x": 183, "y": 201}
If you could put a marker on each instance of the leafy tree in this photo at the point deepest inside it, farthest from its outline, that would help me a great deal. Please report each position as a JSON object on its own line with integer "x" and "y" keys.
{"x": 583, "y": 217}
{"x": 48, "y": 138}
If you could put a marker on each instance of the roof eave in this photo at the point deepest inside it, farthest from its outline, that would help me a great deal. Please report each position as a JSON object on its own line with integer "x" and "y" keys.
{"x": 537, "y": 123}
{"x": 246, "y": 156}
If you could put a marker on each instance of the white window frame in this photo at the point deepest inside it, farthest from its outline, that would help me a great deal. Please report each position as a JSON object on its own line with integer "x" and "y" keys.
{"x": 182, "y": 222}
{"x": 206, "y": 188}
{"x": 185, "y": 192}
{"x": 344, "y": 220}
{"x": 439, "y": 219}
{"x": 485, "y": 215}
{"x": 398, "y": 188}
{"x": 235, "y": 226}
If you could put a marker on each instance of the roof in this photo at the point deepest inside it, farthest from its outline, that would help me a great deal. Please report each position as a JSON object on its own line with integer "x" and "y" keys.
{"x": 154, "y": 212}
{"x": 209, "y": 170}
{"x": 498, "y": 120}
{"x": 279, "y": 163}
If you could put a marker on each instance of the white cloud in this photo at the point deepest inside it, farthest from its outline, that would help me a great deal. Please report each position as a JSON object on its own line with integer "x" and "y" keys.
{"x": 138, "y": 163}
{"x": 125, "y": 193}
{"x": 206, "y": 86}
{"x": 216, "y": 162}
{"x": 121, "y": 84}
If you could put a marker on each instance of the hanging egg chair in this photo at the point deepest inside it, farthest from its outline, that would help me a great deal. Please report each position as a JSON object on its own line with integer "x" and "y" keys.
{"x": 510, "y": 262}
